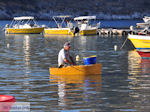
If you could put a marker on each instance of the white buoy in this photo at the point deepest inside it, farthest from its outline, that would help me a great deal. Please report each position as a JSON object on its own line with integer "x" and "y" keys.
{"x": 77, "y": 58}
{"x": 8, "y": 45}
{"x": 115, "y": 47}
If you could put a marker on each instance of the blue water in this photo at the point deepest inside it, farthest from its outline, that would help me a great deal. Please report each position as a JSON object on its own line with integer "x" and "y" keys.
{"x": 123, "y": 85}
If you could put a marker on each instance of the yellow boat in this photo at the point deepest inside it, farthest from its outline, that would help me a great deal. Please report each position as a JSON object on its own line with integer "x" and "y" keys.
{"x": 85, "y": 28}
{"x": 88, "y": 32}
{"x": 77, "y": 70}
{"x": 23, "y": 25}
{"x": 24, "y": 31}
{"x": 140, "y": 41}
{"x": 58, "y": 31}
{"x": 64, "y": 26}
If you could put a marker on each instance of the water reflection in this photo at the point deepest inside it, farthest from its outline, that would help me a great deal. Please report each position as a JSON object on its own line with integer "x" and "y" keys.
{"x": 133, "y": 62}
{"x": 22, "y": 46}
{"x": 19, "y": 50}
{"x": 26, "y": 46}
{"x": 139, "y": 76}
{"x": 85, "y": 46}
{"x": 145, "y": 65}
{"x": 137, "y": 64}
{"x": 76, "y": 89}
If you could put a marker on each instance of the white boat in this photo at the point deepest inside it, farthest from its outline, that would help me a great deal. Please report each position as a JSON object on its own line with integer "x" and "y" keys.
{"x": 145, "y": 26}
{"x": 85, "y": 25}
{"x": 23, "y": 25}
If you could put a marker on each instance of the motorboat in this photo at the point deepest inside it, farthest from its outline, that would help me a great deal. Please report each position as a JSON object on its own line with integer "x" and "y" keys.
{"x": 23, "y": 25}
{"x": 64, "y": 26}
{"x": 86, "y": 26}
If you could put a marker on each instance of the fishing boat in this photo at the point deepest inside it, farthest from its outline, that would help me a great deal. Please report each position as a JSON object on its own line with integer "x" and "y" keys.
{"x": 64, "y": 26}
{"x": 85, "y": 25}
{"x": 23, "y": 25}
{"x": 140, "y": 41}
{"x": 77, "y": 70}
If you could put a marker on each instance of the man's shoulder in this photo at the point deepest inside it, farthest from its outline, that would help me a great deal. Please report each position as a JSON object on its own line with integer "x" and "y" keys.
{"x": 61, "y": 51}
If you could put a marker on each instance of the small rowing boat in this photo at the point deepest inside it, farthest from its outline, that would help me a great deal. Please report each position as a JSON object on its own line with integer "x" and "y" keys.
{"x": 77, "y": 70}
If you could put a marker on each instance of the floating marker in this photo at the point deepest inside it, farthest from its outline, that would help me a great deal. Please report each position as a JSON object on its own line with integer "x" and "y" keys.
{"x": 77, "y": 58}
{"x": 8, "y": 45}
{"x": 115, "y": 47}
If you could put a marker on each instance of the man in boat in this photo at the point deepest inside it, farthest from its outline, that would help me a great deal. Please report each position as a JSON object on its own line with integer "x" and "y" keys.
{"x": 64, "y": 57}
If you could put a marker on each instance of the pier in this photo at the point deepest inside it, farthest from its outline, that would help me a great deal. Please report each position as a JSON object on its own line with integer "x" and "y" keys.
{"x": 111, "y": 31}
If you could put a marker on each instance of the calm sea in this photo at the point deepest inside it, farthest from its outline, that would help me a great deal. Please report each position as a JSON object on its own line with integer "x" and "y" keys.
{"x": 123, "y": 86}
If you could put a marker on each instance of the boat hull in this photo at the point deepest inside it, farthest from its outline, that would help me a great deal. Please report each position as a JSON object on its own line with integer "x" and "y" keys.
{"x": 88, "y": 32}
{"x": 58, "y": 31}
{"x": 24, "y": 30}
{"x": 77, "y": 70}
{"x": 140, "y": 41}
{"x": 144, "y": 53}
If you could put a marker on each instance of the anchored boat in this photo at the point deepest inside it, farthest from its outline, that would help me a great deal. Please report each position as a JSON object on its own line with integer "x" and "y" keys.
{"x": 64, "y": 26}
{"x": 140, "y": 41}
{"x": 23, "y": 25}
{"x": 85, "y": 25}
{"x": 77, "y": 70}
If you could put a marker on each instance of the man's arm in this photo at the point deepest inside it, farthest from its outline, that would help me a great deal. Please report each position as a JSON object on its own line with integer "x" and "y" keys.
{"x": 72, "y": 60}
{"x": 67, "y": 61}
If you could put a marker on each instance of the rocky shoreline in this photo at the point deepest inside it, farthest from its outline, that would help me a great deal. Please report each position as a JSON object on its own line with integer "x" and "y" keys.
{"x": 45, "y": 9}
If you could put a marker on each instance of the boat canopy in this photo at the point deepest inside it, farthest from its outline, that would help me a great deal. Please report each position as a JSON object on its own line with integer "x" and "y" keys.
{"x": 62, "y": 16}
{"x": 24, "y": 18}
{"x": 60, "y": 20}
{"x": 84, "y": 18}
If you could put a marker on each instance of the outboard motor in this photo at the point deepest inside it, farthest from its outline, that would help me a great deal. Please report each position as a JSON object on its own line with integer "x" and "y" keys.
{"x": 76, "y": 30}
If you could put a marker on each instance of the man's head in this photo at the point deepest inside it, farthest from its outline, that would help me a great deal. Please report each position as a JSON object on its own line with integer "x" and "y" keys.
{"x": 67, "y": 46}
